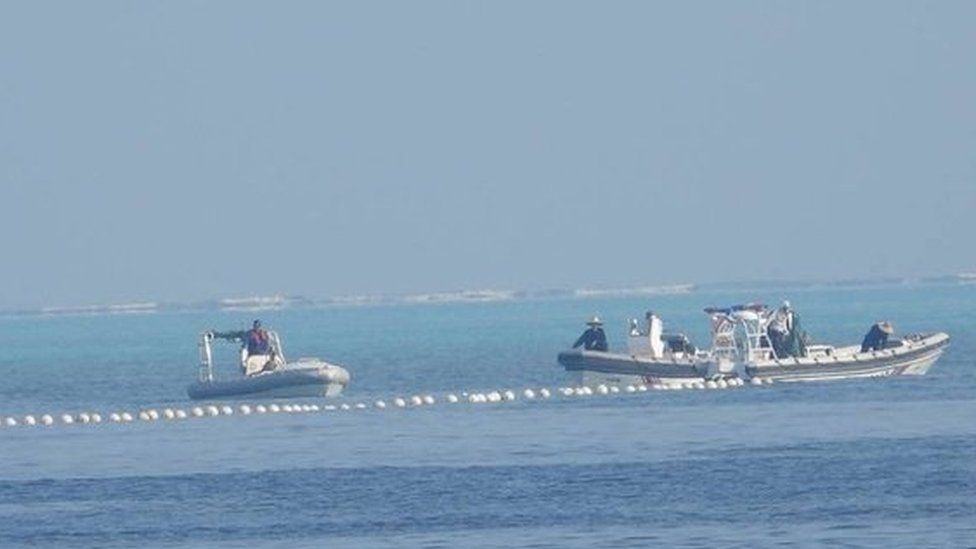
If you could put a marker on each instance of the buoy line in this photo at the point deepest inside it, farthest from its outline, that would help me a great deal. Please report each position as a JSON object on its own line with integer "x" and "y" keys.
{"x": 202, "y": 411}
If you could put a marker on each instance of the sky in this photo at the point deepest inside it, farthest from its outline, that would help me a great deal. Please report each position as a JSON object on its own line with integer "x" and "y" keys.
{"x": 185, "y": 150}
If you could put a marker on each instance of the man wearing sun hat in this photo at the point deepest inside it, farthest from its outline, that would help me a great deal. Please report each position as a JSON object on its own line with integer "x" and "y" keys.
{"x": 593, "y": 339}
{"x": 877, "y": 336}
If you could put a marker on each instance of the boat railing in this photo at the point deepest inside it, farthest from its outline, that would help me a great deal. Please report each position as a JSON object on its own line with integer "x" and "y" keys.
{"x": 205, "y": 374}
{"x": 750, "y": 321}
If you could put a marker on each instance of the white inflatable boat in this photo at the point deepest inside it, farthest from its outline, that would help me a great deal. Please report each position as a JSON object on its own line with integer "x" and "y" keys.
{"x": 305, "y": 377}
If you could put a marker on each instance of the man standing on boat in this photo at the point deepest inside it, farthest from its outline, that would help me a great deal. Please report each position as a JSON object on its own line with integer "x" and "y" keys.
{"x": 258, "y": 346}
{"x": 593, "y": 339}
{"x": 780, "y": 326}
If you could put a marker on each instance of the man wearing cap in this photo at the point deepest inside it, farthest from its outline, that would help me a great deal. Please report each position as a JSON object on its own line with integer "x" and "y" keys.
{"x": 593, "y": 339}
{"x": 877, "y": 337}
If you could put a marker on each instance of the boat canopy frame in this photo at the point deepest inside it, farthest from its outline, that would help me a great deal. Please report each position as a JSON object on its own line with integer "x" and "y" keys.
{"x": 751, "y": 321}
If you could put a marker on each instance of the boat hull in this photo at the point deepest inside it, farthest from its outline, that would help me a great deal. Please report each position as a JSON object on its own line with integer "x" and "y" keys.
{"x": 318, "y": 380}
{"x": 594, "y": 367}
{"x": 915, "y": 358}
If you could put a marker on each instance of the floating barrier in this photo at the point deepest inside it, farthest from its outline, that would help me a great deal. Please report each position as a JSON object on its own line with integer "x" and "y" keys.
{"x": 152, "y": 415}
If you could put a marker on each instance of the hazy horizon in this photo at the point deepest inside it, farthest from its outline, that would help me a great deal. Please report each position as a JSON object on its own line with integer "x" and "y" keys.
{"x": 188, "y": 151}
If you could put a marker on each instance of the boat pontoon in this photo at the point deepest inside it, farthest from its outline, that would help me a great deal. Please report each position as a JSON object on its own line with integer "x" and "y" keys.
{"x": 305, "y": 377}
{"x": 652, "y": 357}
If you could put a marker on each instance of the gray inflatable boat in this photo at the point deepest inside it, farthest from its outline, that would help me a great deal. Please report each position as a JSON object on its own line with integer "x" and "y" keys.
{"x": 277, "y": 378}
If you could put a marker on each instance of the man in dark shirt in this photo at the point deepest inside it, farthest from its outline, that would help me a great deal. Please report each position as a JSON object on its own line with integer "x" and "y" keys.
{"x": 257, "y": 340}
{"x": 258, "y": 345}
{"x": 593, "y": 339}
{"x": 877, "y": 337}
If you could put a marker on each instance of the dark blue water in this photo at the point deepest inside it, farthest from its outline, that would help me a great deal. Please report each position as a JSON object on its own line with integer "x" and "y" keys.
{"x": 876, "y": 463}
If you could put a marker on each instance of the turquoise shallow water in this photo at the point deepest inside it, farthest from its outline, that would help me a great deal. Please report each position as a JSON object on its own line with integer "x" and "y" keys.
{"x": 866, "y": 463}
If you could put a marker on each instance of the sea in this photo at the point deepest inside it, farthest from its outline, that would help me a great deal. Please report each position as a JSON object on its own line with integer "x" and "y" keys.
{"x": 863, "y": 463}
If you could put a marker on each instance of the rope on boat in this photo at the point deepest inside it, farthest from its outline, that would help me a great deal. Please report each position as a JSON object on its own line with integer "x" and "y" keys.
{"x": 169, "y": 414}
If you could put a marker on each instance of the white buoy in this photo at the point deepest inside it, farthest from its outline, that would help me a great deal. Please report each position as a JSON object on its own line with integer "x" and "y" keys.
{"x": 360, "y": 406}
{"x": 379, "y": 404}
{"x": 10, "y": 422}
{"x": 614, "y": 389}
{"x": 768, "y": 381}
{"x": 344, "y": 406}
{"x": 473, "y": 398}
{"x": 144, "y": 416}
{"x": 197, "y": 411}
{"x": 722, "y": 384}
{"x": 274, "y": 408}
{"x": 508, "y": 395}
{"x": 180, "y": 414}
{"x": 630, "y": 389}
{"x": 329, "y": 408}
{"x": 429, "y": 399}
{"x": 494, "y": 396}
{"x": 30, "y": 420}
{"x": 711, "y": 384}
{"x": 127, "y": 417}
{"x": 399, "y": 402}
{"x": 168, "y": 413}
{"x": 698, "y": 385}
{"x": 566, "y": 391}
{"x": 452, "y": 398}
{"x": 314, "y": 408}
{"x": 602, "y": 389}
{"x": 529, "y": 394}
{"x": 261, "y": 409}
{"x": 213, "y": 411}
{"x": 642, "y": 388}
{"x": 755, "y": 381}
{"x": 416, "y": 400}
{"x": 115, "y": 417}
{"x": 587, "y": 391}
{"x": 245, "y": 409}
{"x": 84, "y": 418}
{"x": 95, "y": 417}
{"x": 67, "y": 419}
{"x": 46, "y": 419}
{"x": 544, "y": 393}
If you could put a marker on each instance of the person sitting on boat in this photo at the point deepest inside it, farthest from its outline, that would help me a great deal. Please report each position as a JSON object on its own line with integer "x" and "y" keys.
{"x": 877, "y": 337}
{"x": 593, "y": 339}
{"x": 258, "y": 345}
